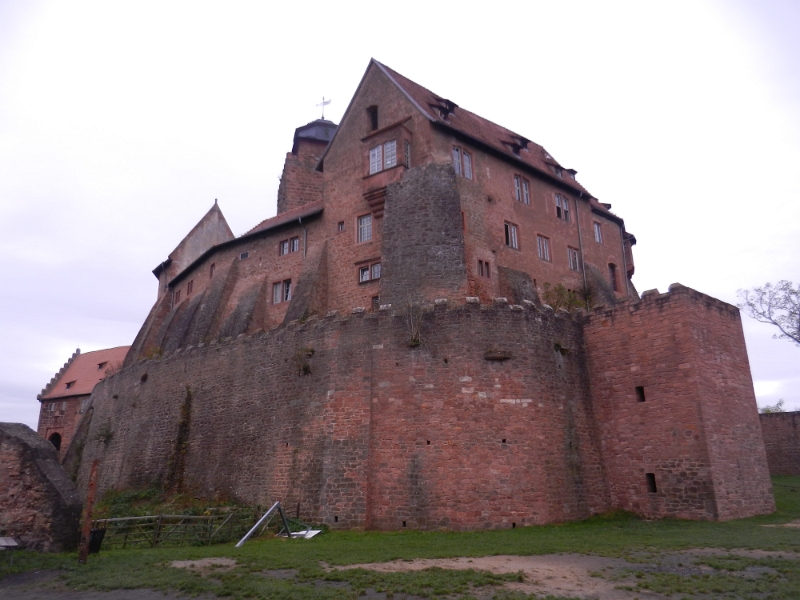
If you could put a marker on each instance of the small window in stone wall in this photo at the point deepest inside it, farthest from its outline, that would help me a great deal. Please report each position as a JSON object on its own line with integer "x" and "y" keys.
{"x": 244, "y": 255}
{"x": 640, "y": 393}
{"x": 341, "y": 226}
{"x": 281, "y": 291}
{"x": 483, "y": 269}
{"x": 211, "y": 270}
{"x": 177, "y": 297}
{"x": 651, "y": 483}
{"x": 376, "y": 303}
{"x": 189, "y": 287}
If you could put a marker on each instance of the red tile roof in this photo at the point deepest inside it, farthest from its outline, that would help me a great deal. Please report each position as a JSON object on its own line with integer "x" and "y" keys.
{"x": 84, "y": 372}
{"x": 483, "y": 130}
{"x": 287, "y": 217}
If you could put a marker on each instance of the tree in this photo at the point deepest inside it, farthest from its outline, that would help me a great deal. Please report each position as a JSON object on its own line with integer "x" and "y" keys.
{"x": 775, "y": 408}
{"x": 777, "y": 305}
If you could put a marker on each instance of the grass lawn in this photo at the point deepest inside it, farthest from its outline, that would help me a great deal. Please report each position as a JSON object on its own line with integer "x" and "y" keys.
{"x": 299, "y": 563}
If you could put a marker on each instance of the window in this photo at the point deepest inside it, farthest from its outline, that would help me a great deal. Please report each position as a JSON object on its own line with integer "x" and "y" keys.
{"x": 211, "y": 270}
{"x": 598, "y": 233}
{"x": 612, "y": 276}
{"x": 101, "y": 365}
{"x": 376, "y": 303}
{"x": 341, "y": 226}
{"x": 483, "y": 269}
{"x": 573, "y": 255}
{"x": 372, "y": 115}
{"x": 640, "y": 393}
{"x": 462, "y": 162}
{"x": 281, "y": 291}
{"x": 177, "y": 297}
{"x": 543, "y": 247}
{"x": 558, "y": 172}
{"x": 375, "y": 159}
{"x": 51, "y": 407}
{"x": 287, "y": 246}
{"x": 650, "y": 478}
{"x": 369, "y": 272}
{"x": 364, "y": 228}
{"x": 189, "y": 287}
{"x": 244, "y": 255}
{"x": 512, "y": 240}
{"x": 522, "y": 189}
{"x": 562, "y": 207}
{"x": 69, "y": 386}
{"x": 407, "y": 154}
{"x": 383, "y": 157}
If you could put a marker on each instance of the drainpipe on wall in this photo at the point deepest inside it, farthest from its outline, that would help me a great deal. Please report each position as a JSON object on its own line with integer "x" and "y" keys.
{"x": 580, "y": 243}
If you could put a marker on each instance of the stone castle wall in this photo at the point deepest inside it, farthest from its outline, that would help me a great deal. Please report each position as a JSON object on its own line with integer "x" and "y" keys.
{"x": 455, "y": 416}
{"x": 674, "y": 396}
{"x": 782, "y": 442}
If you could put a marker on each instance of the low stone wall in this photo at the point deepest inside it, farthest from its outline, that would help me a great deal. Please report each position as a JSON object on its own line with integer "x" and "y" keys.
{"x": 782, "y": 442}
{"x": 39, "y": 505}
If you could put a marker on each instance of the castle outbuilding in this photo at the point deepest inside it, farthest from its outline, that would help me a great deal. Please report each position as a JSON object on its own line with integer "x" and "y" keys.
{"x": 437, "y": 330}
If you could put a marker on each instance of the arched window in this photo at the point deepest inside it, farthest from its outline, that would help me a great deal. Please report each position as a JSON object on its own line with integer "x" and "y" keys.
{"x": 612, "y": 276}
{"x": 55, "y": 439}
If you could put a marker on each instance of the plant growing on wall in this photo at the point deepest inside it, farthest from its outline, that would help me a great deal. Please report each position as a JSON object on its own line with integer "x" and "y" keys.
{"x": 414, "y": 323}
{"x": 560, "y": 297}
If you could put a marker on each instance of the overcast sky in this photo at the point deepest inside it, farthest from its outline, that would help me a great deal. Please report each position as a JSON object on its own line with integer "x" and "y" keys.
{"x": 121, "y": 122}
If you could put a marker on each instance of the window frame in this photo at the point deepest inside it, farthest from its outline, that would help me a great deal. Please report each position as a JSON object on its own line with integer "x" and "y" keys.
{"x": 364, "y": 233}
{"x": 613, "y": 277}
{"x": 281, "y": 291}
{"x": 522, "y": 189}
{"x": 598, "y": 232}
{"x": 462, "y": 163}
{"x": 289, "y": 245}
{"x": 543, "y": 249}
{"x": 370, "y": 271}
{"x": 562, "y": 208}
{"x": 511, "y": 235}
{"x": 484, "y": 270}
{"x": 574, "y": 258}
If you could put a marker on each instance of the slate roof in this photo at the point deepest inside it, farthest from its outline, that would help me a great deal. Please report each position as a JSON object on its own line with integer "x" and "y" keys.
{"x": 84, "y": 372}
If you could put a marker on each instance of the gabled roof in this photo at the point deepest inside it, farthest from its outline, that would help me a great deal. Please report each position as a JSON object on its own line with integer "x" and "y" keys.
{"x": 210, "y": 231}
{"x": 482, "y": 132}
{"x": 512, "y": 145}
{"x": 82, "y": 372}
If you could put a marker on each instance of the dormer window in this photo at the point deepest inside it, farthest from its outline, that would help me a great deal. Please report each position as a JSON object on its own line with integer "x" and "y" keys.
{"x": 444, "y": 107}
{"x": 558, "y": 173}
{"x": 101, "y": 365}
{"x": 70, "y": 384}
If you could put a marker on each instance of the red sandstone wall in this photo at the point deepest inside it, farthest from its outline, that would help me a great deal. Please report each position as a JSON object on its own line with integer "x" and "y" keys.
{"x": 697, "y": 429}
{"x": 782, "y": 442}
{"x": 300, "y": 182}
{"x": 348, "y": 442}
{"x": 63, "y": 419}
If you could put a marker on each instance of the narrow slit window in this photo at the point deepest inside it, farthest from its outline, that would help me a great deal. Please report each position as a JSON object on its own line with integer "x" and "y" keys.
{"x": 211, "y": 269}
{"x": 651, "y": 483}
{"x": 407, "y": 154}
{"x": 612, "y": 276}
{"x": 640, "y": 393}
{"x": 372, "y": 115}
{"x": 189, "y": 287}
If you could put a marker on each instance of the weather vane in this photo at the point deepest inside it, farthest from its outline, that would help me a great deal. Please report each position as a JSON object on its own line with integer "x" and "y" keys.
{"x": 323, "y": 104}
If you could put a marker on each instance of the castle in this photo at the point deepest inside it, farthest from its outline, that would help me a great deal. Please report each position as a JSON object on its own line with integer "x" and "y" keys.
{"x": 379, "y": 355}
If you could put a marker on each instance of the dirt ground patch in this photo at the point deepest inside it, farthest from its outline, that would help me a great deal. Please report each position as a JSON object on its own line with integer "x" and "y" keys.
{"x": 556, "y": 574}
{"x": 204, "y": 566}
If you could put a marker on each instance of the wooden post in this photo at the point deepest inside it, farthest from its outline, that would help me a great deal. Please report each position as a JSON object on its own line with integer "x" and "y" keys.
{"x": 86, "y": 532}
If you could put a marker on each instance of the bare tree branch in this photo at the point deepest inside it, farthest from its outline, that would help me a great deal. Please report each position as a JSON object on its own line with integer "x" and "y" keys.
{"x": 777, "y": 305}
